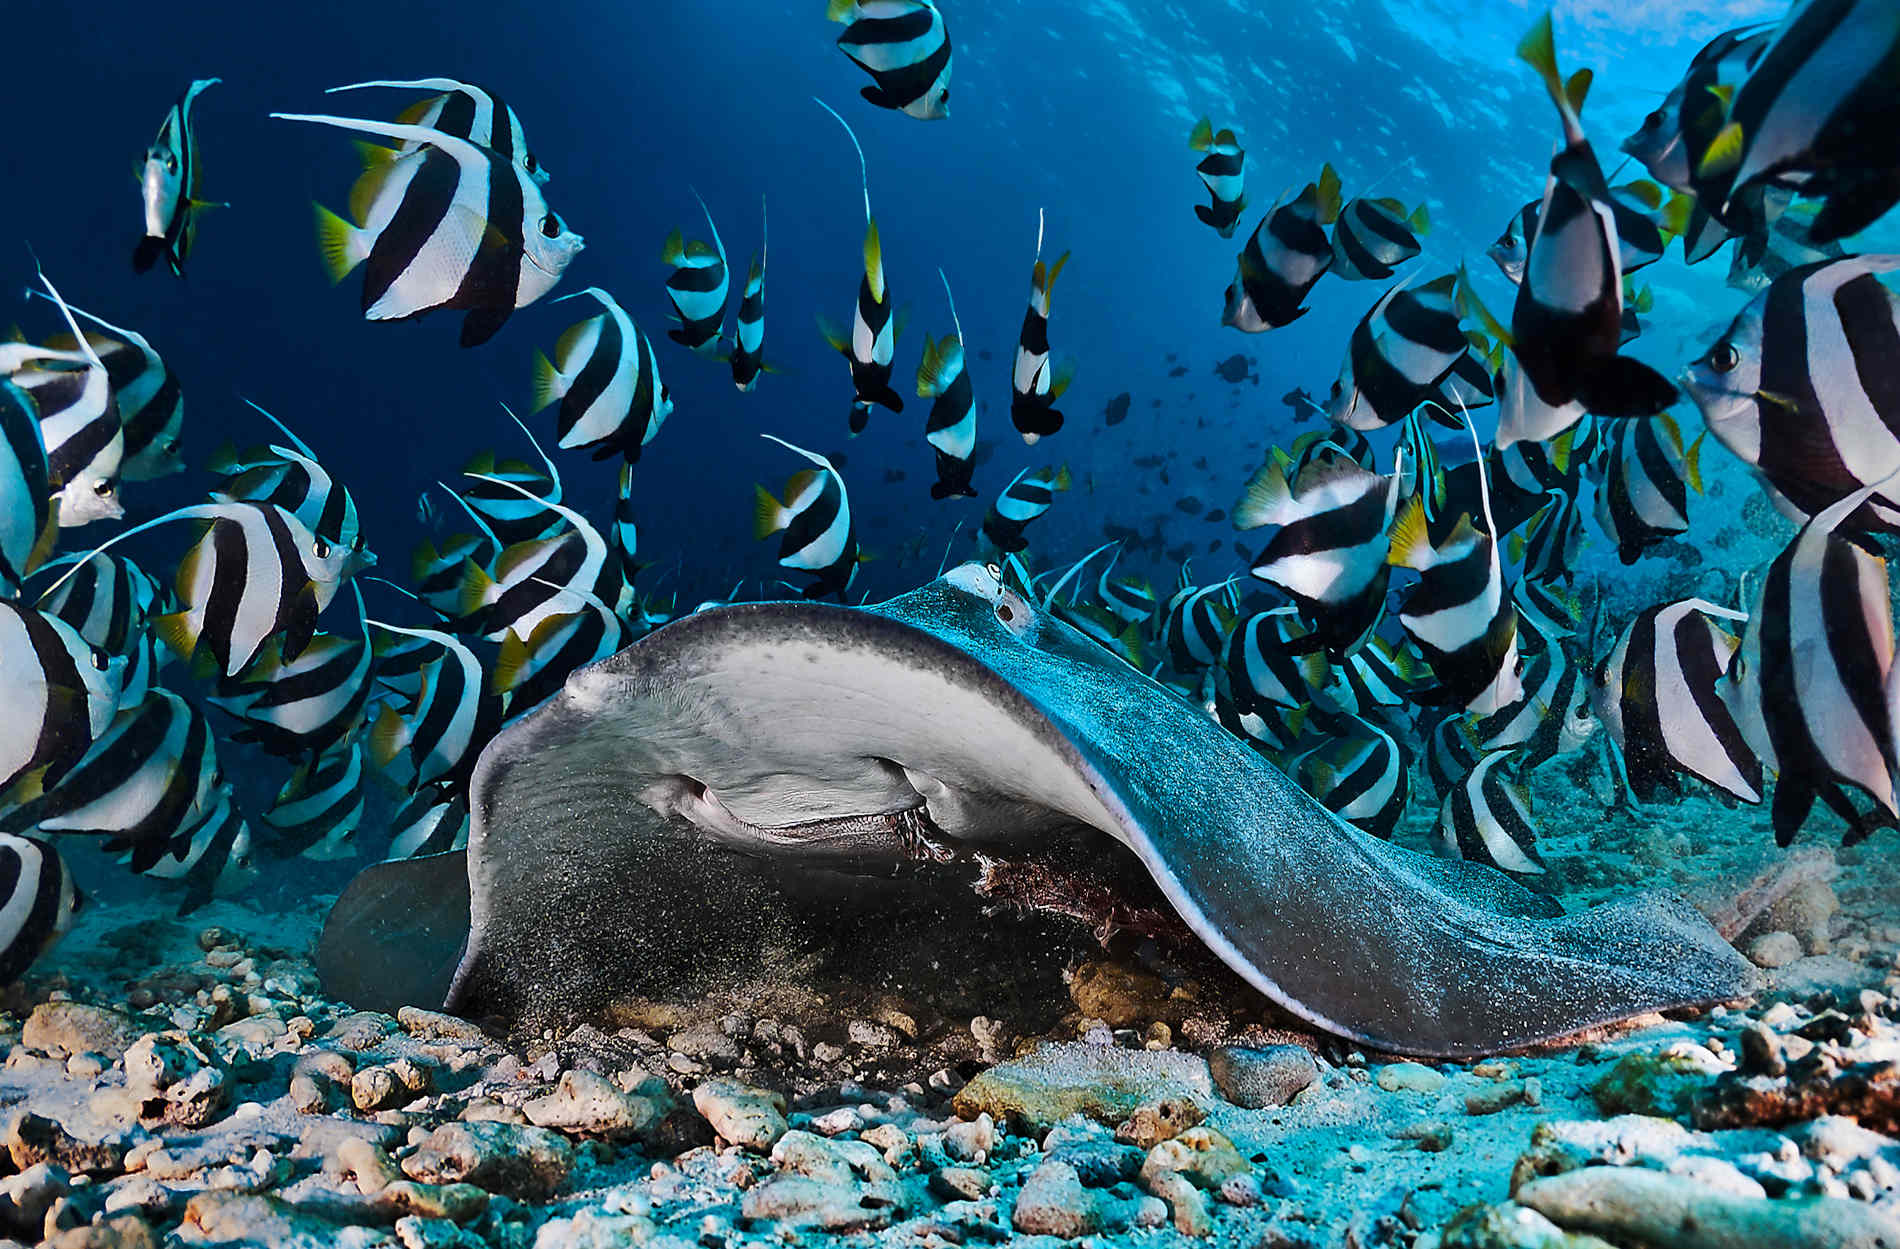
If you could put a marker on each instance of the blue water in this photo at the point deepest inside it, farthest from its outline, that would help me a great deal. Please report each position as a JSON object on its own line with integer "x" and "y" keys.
{"x": 1082, "y": 110}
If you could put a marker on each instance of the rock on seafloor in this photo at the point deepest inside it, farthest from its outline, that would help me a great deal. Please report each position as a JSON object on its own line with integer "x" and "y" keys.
{"x": 1100, "y": 1082}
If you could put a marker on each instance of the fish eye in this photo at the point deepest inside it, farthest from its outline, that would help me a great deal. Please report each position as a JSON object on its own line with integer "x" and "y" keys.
{"x": 551, "y": 226}
{"x": 322, "y": 549}
{"x": 104, "y": 488}
{"x": 994, "y": 570}
{"x": 532, "y": 165}
{"x": 99, "y": 660}
{"x": 171, "y": 445}
{"x": 1723, "y": 357}
{"x": 171, "y": 164}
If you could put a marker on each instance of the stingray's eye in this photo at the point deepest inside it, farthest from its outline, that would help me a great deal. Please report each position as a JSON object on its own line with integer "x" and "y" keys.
{"x": 1723, "y": 357}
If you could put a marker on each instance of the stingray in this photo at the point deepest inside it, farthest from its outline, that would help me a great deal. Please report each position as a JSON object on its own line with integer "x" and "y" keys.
{"x": 746, "y": 761}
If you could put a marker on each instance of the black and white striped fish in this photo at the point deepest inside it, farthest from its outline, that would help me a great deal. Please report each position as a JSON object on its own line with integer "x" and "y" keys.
{"x": 747, "y": 353}
{"x": 152, "y": 773}
{"x": 1036, "y": 381}
{"x": 1553, "y": 716}
{"x": 37, "y": 902}
{"x": 1129, "y": 599}
{"x": 1451, "y": 751}
{"x": 150, "y": 401}
{"x": 254, "y": 572}
{"x": 1286, "y": 254}
{"x": 872, "y": 345}
{"x": 697, "y": 287}
{"x": 1636, "y": 208}
{"x": 1400, "y": 351}
{"x": 452, "y": 225}
{"x": 950, "y": 429}
{"x": 1546, "y": 549}
{"x": 1379, "y": 681}
{"x": 532, "y": 669}
{"x": 1658, "y": 695}
{"x": 1264, "y": 664}
{"x": 1546, "y": 609}
{"x": 1805, "y": 386}
{"x": 539, "y": 578}
{"x": 1223, "y": 171}
{"x": 433, "y": 820}
{"x": 85, "y": 443}
{"x": 1814, "y": 112}
{"x": 451, "y": 718}
{"x": 624, "y": 535}
{"x": 1373, "y": 237}
{"x": 1567, "y": 321}
{"x": 294, "y": 707}
{"x": 905, "y": 47}
{"x": 463, "y": 111}
{"x": 1674, "y": 135}
{"x": 26, "y": 517}
{"x": 1026, "y": 498}
{"x": 60, "y": 693}
{"x": 607, "y": 380}
{"x": 79, "y": 424}
{"x": 293, "y": 479}
{"x": 1813, "y": 686}
{"x": 111, "y": 602}
{"x": 169, "y": 187}
{"x": 1195, "y": 624}
{"x": 436, "y": 571}
{"x": 1459, "y": 612}
{"x": 815, "y": 519}
{"x": 1487, "y": 819}
{"x": 1329, "y": 553}
{"x": 1359, "y": 773}
{"x": 317, "y": 811}
{"x": 211, "y": 858}
{"x": 500, "y": 509}
{"x": 1644, "y": 474}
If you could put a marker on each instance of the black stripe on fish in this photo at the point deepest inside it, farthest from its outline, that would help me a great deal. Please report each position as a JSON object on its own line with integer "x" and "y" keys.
{"x": 38, "y": 899}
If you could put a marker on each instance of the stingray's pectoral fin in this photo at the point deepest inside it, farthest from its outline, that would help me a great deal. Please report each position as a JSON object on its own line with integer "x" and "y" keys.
{"x": 396, "y": 934}
{"x": 1444, "y": 958}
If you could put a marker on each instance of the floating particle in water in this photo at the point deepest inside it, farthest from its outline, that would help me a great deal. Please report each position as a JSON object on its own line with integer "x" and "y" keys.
{"x": 1216, "y": 516}
{"x": 1189, "y": 504}
{"x": 1117, "y": 410}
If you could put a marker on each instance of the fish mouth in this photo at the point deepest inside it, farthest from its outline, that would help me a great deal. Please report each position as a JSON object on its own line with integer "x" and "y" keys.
{"x": 575, "y": 249}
